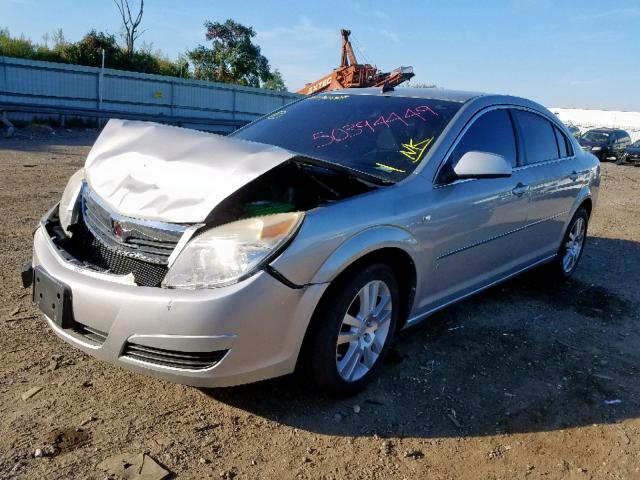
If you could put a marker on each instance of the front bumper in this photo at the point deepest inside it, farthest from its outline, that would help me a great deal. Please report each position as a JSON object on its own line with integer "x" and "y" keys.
{"x": 258, "y": 324}
{"x": 602, "y": 154}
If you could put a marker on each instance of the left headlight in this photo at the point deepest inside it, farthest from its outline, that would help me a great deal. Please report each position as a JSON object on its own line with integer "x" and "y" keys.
{"x": 231, "y": 252}
{"x": 69, "y": 200}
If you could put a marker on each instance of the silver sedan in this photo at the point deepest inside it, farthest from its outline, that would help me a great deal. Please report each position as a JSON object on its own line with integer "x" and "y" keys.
{"x": 306, "y": 239}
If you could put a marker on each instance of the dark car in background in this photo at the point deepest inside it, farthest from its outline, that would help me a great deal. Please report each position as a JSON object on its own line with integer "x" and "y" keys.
{"x": 632, "y": 154}
{"x": 605, "y": 143}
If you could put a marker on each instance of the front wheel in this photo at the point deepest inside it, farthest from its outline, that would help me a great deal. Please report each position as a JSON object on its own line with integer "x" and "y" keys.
{"x": 570, "y": 251}
{"x": 351, "y": 331}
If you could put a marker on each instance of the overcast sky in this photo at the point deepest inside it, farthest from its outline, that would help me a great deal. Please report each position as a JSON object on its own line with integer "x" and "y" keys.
{"x": 561, "y": 53}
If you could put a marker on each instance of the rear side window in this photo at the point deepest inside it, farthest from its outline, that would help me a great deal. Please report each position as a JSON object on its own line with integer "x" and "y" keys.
{"x": 538, "y": 137}
{"x": 564, "y": 146}
{"x": 492, "y": 132}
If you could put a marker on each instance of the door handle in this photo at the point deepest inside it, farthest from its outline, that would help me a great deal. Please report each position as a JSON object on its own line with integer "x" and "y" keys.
{"x": 520, "y": 189}
{"x": 573, "y": 176}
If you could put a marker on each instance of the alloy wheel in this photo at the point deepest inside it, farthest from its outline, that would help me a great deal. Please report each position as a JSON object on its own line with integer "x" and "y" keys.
{"x": 574, "y": 244}
{"x": 364, "y": 331}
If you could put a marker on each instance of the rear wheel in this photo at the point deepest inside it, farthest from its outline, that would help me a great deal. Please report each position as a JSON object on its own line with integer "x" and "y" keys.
{"x": 351, "y": 331}
{"x": 570, "y": 251}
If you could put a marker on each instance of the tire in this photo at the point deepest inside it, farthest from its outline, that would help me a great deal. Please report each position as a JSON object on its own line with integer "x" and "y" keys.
{"x": 346, "y": 368}
{"x": 570, "y": 252}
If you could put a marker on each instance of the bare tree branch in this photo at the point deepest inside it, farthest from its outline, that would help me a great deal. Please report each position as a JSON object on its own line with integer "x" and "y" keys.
{"x": 130, "y": 24}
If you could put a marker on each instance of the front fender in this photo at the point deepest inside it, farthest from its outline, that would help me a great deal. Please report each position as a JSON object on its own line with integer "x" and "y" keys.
{"x": 362, "y": 243}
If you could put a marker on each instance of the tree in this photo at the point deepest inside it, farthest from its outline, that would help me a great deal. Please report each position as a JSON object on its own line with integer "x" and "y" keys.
{"x": 233, "y": 57}
{"x": 130, "y": 24}
{"x": 88, "y": 51}
{"x": 58, "y": 39}
{"x": 15, "y": 47}
{"x": 275, "y": 82}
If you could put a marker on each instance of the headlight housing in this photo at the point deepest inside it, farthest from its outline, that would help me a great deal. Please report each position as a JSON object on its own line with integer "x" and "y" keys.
{"x": 231, "y": 252}
{"x": 596, "y": 149}
{"x": 69, "y": 201}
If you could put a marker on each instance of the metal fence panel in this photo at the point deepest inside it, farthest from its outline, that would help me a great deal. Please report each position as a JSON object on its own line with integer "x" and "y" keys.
{"x": 53, "y": 89}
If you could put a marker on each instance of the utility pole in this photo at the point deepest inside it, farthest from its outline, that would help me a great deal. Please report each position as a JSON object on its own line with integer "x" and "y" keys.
{"x": 100, "y": 86}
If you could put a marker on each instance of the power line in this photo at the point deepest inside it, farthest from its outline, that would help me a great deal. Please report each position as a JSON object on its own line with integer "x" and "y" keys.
{"x": 356, "y": 42}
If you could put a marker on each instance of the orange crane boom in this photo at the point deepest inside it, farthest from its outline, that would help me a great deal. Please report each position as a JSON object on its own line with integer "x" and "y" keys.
{"x": 351, "y": 74}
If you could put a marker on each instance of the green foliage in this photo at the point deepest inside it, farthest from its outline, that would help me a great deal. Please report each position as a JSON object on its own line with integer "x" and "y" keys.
{"x": 233, "y": 57}
{"x": 275, "y": 82}
{"x": 88, "y": 52}
{"x": 15, "y": 47}
{"x": 179, "y": 68}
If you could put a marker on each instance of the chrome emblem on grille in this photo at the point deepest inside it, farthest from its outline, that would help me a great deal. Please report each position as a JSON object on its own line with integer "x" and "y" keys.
{"x": 119, "y": 231}
{"x": 144, "y": 240}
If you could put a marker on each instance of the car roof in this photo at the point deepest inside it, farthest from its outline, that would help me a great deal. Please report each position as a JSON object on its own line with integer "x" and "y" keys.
{"x": 608, "y": 130}
{"x": 430, "y": 93}
{"x": 460, "y": 96}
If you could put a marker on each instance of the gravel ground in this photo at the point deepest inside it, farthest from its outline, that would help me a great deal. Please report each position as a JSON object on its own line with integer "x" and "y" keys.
{"x": 515, "y": 382}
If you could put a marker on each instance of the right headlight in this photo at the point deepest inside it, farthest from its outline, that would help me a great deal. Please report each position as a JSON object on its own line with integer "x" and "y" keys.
{"x": 596, "y": 149}
{"x": 231, "y": 252}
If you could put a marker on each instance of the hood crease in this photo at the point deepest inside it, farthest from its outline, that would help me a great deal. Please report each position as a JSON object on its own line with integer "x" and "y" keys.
{"x": 157, "y": 172}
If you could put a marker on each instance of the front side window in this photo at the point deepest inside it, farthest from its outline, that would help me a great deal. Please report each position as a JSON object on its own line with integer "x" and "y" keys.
{"x": 492, "y": 132}
{"x": 538, "y": 137}
{"x": 383, "y": 136}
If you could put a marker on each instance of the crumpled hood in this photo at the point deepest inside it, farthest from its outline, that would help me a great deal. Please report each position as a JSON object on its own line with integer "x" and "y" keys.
{"x": 157, "y": 172}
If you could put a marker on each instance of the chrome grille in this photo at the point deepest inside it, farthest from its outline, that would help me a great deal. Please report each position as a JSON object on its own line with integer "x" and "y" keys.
{"x": 144, "y": 240}
{"x": 171, "y": 358}
{"x": 145, "y": 273}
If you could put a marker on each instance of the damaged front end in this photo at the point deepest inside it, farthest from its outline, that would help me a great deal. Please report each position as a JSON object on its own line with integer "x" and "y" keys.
{"x": 110, "y": 232}
{"x": 105, "y": 241}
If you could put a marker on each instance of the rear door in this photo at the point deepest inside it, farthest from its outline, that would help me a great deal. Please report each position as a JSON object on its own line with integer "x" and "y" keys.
{"x": 550, "y": 171}
{"x": 474, "y": 229}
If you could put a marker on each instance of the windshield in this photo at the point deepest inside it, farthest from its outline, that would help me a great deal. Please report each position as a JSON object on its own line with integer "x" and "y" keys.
{"x": 599, "y": 137}
{"x": 636, "y": 144}
{"x": 387, "y": 137}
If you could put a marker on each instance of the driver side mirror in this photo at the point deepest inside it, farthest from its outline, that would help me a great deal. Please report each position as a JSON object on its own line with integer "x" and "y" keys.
{"x": 477, "y": 164}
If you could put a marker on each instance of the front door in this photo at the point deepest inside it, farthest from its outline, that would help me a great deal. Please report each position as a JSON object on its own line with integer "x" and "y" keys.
{"x": 474, "y": 229}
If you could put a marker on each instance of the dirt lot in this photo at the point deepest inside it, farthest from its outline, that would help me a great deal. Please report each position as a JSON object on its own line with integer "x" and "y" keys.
{"x": 516, "y": 382}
